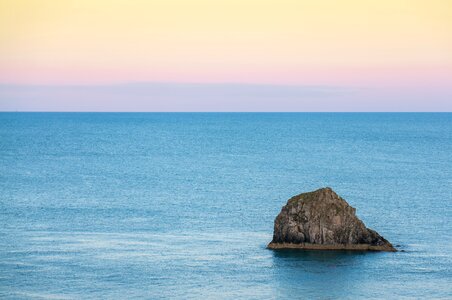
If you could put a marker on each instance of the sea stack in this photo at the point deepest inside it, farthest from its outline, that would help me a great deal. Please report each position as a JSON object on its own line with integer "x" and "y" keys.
{"x": 322, "y": 220}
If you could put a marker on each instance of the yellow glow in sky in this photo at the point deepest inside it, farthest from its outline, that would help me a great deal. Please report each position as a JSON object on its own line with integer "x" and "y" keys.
{"x": 283, "y": 41}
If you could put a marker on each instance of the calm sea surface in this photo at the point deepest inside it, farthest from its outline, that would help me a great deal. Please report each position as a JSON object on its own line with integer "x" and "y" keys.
{"x": 182, "y": 206}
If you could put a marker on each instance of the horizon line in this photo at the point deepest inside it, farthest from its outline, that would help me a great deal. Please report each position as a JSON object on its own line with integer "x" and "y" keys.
{"x": 226, "y": 112}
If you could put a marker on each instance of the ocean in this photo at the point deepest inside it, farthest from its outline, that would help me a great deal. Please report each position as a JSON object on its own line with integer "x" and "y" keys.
{"x": 181, "y": 205}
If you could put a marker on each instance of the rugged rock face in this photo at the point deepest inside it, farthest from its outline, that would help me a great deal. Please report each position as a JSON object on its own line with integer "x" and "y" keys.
{"x": 322, "y": 220}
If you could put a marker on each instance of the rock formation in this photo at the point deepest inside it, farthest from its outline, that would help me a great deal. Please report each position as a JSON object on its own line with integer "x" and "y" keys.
{"x": 322, "y": 220}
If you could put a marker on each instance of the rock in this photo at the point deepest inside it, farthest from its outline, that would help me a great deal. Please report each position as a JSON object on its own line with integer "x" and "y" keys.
{"x": 321, "y": 220}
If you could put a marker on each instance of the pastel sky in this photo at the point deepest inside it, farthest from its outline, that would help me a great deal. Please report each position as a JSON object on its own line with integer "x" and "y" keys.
{"x": 364, "y": 55}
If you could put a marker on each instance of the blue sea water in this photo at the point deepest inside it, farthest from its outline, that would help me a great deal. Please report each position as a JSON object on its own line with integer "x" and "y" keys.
{"x": 181, "y": 206}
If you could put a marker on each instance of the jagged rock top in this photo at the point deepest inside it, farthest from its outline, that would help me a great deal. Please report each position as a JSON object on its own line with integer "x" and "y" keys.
{"x": 323, "y": 220}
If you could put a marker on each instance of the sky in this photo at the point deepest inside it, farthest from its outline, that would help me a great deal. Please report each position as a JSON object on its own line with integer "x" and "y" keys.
{"x": 225, "y": 55}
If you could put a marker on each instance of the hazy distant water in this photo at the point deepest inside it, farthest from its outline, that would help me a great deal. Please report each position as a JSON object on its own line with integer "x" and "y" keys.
{"x": 182, "y": 205}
